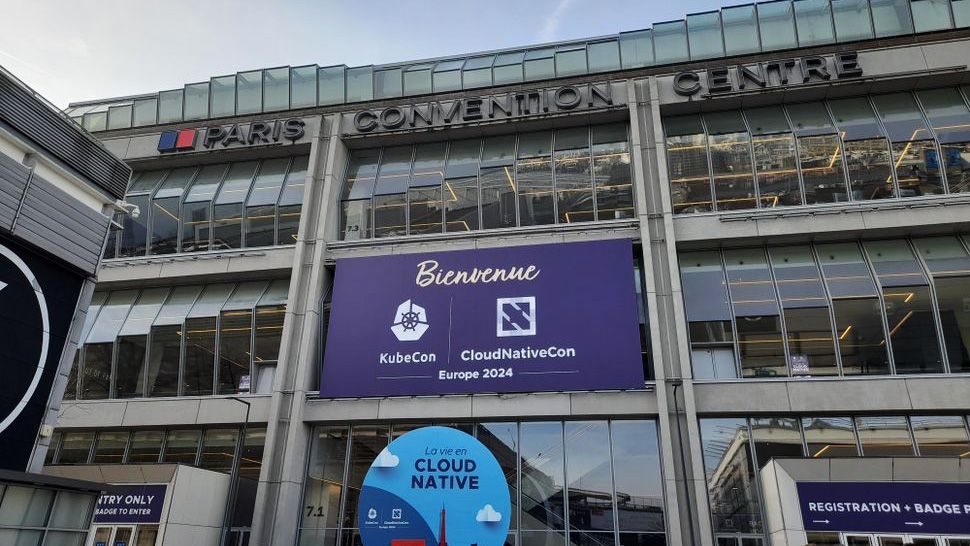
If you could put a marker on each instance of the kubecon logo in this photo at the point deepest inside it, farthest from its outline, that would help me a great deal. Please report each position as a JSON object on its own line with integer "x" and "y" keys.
{"x": 410, "y": 322}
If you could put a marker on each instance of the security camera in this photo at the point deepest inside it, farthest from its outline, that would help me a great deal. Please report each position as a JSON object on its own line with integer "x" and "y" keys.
{"x": 129, "y": 208}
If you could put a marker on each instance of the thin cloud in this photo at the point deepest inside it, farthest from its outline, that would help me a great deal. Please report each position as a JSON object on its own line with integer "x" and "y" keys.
{"x": 550, "y": 28}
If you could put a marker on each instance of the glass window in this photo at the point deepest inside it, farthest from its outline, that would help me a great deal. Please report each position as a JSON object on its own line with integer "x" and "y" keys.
{"x": 219, "y": 449}
{"x": 852, "y": 20}
{"x": 390, "y": 201}
{"x": 387, "y": 83}
{"x": 543, "y": 477}
{"x": 756, "y": 313}
{"x": 603, "y": 56}
{"x": 197, "y": 100}
{"x": 891, "y": 17}
{"x": 636, "y": 469}
{"x": 417, "y": 80}
{"x": 25, "y": 507}
{"x": 195, "y": 208}
{"x": 461, "y": 185}
{"x": 249, "y": 92}
{"x": 357, "y": 192}
{"x": 227, "y": 209}
{"x": 917, "y": 168}
{"x": 820, "y": 158}
{"x": 774, "y": 157}
{"x": 165, "y": 351}
{"x": 909, "y": 309}
{"x": 690, "y": 179}
{"x": 882, "y": 436}
{"x": 251, "y": 454}
{"x": 805, "y": 307}
{"x": 145, "y": 112}
{"x": 367, "y": 442}
{"x": 729, "y": 145}
{"x": 446, "y": 76}
{"x": 540, "y": 64}
{"x": 424, "y": 194}
{"x": 507, "y": 68}
{"x": 951, "y": 297}
{"x": 740, "y": 25}
{"x": 182, "y": 446}
{"x": 260, "y": 222}
{"x": 961, "y": 13}
{"x": 290, "y": 205}
{"x": 858, "y": 316}
{"x": 276, "y": 89}
{"x": 330, "y": 85}
{"x": 222, "y": 96}
{"x": 71, "y": 511}
{"x": 947, "y": 114}
{"x": 571, "y": 61}
{"x": 110, "y": 448}
{"x": 588, "y": 469}
{"x": 269, "y": 332}
{"x": 303, "y": 86}
{"x": 95, "y": 121}
{"x": 574, "y": 187}
{"x": 498, "y": 185}
{"x": 133, "y": 343}
{"x": 477, "y": 72}
{"x": 119, "y": 117}
{"x": 636, "y": 48}
{"x": 165, "y": 211}
{"x": 235, "y": 336}
{"x": 901, "y": 117}
{"x": 704, "y": 33}
{"x": 940, "y": 436}
{"x": 360, "y": 84}
{"x": 612, "y": 179}
{"x": 866, "y": 151}
{"x": 830, "y": 437}
{"x": 200, "y": 352}
{"x": 146, "y": 447}
{"x": 813, "y": 20}
{"x": 534, "y": 177}
{"x": 930, "y": 15}
{"x": 776, "y": 437}
{"x": 170, "y": 106}
{"x": 99, "y": 347}
{"x": 670, "y": 42}
{"x": 731, "y": 486}
{"x": 704, "y": 287}
{"x": 325, "y": 478}
{"x": 75, "y": 447}
{"x": 776, "y": 21}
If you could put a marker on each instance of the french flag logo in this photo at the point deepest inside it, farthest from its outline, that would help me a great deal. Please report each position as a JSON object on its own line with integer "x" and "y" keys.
{"x": 177, "y": 141}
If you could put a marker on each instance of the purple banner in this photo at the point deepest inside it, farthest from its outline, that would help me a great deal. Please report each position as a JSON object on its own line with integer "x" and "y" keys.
{"x": 558, "y": 317}
{"x": 131, "y": 504}
{"x": 886, "y": 507}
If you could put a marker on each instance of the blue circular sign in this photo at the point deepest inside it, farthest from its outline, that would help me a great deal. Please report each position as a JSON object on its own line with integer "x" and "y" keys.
{"x": 434, "y": 486}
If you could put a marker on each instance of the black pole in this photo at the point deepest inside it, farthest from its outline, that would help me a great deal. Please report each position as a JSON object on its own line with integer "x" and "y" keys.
{"x": 234, "y": 475}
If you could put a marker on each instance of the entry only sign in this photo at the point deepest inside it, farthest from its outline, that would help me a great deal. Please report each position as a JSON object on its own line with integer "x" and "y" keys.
{"x": 886, "y": 507}
{"x": 140, "y": 503}
{"x": 556, "y": 317}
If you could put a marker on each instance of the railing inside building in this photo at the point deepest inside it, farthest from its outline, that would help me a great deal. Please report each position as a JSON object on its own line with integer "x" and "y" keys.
{"x": 183, "y": 341}
{"x": 737, "y": 30}
{"x": 897, "y": 145}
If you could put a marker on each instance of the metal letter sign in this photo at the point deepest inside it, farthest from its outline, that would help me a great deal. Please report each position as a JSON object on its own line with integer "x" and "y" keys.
{"x": 434, "y": 486}
{"x": 886, "y": 507}
{"x": 558, "y": 317}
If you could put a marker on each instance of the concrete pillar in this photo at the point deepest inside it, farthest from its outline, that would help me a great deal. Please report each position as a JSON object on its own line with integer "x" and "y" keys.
{"x": 277, "y": 511}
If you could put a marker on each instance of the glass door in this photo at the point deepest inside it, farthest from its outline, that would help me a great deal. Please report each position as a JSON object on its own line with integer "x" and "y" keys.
{"x": 146, "y": 535}
{"x": 123, "y": 536}
{"x": 102, "y": 535}
{"x": 857, "y": 540}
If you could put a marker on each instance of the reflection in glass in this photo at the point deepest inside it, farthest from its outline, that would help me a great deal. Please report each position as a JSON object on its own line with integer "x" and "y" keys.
{"x": 219, "y": 449}
{"x": 110, "y": 447}
{"x": 870, "y": 176}
{"x": 884, "y": 436}
{"x": 774, "y": 161}
{"x": 182, "y": 446}
{"x": 821, "y": 162}
{"x": 461, "y": 204}
{"x": 498, "y": 197}
{"x": 425, "y": 209}
{"x": 756, "y": 312}
{"x": 235, "y": 332}
{"x": 917, "y": 168}
{"x": 612, "y": 178}
{"x": 931, "y": 15}
{"x": 740, "y": 29}
{"x": 366, "y": 443}
{"x": 588, "y": 469}
{"x": 543, "y": 477}
{"x": 574, "y": 188}
{"x": 390, "y": 215}
{"x": 731, "y": 484}
{"x": 534, "y": 178}
{"x": 636, "y": 469}
{"x": 260, "y": 223}
{"x": 957, "y": 158}
{"x": 891, "y": 17}
{"x": 941, "y": 436}
{"x": 852, "y": 20}
{"x": 324, "y": 481}
{"x": 813, "y": 21}
{"x": 777, "y": 23}
{"x": 200, "y": 352}
{"x": 690, "y": 179}
{"x": 146, "y": 447}
{"x": 830, "y": 437}
{"x": 731, "y": 164}
{"x": 775, "y": 437}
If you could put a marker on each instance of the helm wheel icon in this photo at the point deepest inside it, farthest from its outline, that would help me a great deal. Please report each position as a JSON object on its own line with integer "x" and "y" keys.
{"x": 410, "y": 322}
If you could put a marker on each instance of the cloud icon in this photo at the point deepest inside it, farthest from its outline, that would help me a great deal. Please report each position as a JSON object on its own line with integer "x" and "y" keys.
{"x": 386, "y": 459}
{"x": 488, "y": 515}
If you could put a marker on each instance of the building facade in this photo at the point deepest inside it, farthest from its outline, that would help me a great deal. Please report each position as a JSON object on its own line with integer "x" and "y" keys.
{"x": 787, "y": 176}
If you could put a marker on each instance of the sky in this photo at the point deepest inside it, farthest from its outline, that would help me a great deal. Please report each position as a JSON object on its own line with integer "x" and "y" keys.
{"x": 75, "y": 50}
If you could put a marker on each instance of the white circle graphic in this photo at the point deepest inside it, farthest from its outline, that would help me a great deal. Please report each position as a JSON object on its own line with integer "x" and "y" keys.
{"x": 45, "y": 339}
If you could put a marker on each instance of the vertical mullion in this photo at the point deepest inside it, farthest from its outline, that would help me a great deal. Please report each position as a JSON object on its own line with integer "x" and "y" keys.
{"x": 798, "y": 154}
{"x": 754, "y": 167}
{"x": 342, "y": 502}
{"x": 786, "y": 352}
{"x": 710, "y": 165}
{"x": 934, "y": 305}
{"x": 734, "y": 323}
{"x": 831, "y": 308}
{"x": 889, "y": 145}
{"x": 616, "y": 508}
{"x": 845, "y": 162}
{"x": 882, "y": 306}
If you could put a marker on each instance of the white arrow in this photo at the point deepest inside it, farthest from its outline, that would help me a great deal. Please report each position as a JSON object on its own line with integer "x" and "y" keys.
{"x": 825, "y": 521}
{"x": 920, "y": 523}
